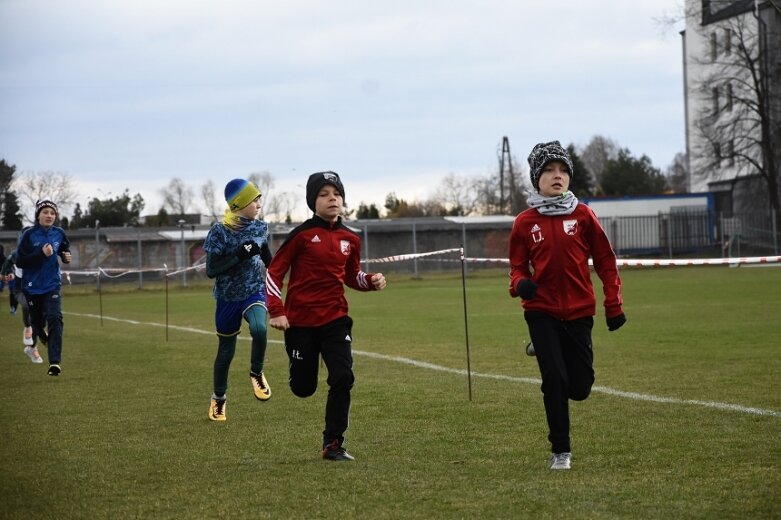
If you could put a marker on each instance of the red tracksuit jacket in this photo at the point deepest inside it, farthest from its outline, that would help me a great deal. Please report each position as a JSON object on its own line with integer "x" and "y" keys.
{"x": 322, "y": 258}
{"x": 553, "y": 250}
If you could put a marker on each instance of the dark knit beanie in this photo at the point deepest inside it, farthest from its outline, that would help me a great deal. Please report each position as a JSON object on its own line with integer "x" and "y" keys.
{"x": 544, "y": 153}
{"x": 44, "y": 203}
{"x": 317, "y": 181}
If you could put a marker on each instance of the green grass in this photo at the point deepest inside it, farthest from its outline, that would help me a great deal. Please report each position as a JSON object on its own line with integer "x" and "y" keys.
{"x": 123, "y": 433}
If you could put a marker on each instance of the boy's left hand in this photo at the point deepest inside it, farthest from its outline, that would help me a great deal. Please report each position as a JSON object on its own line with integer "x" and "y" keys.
{"x": 615, "y": 322}
{"x": 378, "y": 281}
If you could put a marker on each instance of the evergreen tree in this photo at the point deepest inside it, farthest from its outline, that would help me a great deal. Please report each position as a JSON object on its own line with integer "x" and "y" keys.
{"x": 582, "y": 183}
{"x": 628, "y": 175}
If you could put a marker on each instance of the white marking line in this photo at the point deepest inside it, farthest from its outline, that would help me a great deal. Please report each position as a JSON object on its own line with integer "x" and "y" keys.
{"x": 459, "y": 371}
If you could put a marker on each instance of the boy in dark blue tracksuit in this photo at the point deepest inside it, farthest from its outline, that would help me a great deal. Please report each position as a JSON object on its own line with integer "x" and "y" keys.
{"x": 38, "y": 252}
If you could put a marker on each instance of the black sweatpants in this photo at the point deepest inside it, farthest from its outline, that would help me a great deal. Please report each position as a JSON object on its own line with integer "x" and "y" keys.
{"x": 566, "y": 361}
{"x": 332, "y": 341}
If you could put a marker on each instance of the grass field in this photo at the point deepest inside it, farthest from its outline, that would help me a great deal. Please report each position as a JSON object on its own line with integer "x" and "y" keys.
{"x": 684, "y": 422}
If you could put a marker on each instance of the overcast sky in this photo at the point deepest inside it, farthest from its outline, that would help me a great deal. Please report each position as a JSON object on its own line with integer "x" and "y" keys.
{"x": 392, "y": 95}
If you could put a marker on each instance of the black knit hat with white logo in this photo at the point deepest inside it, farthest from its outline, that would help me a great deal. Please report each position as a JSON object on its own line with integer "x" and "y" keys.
{"x": 544, "y": 153}
{"x": 45, "y": 203}
{"x": 317, "y": 181}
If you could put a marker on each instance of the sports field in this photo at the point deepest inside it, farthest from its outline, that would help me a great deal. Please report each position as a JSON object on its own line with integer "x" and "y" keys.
{"x": 684, "y": 420}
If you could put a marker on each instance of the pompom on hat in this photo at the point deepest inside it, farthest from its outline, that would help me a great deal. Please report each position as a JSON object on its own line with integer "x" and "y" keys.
{"x": 239, "y": 193}
{"x": 45, "y": 203}
{"x": 317, "y": 181}
{"x": 544, "y": 153}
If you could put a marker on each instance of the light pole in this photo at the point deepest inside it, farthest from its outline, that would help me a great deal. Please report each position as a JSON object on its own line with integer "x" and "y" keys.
{"x": 184, "y": 273}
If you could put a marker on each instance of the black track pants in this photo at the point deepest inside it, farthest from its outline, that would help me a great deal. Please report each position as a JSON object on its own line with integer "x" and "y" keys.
{"x": 332, "y": 341}
{"x": 566, "y": 361}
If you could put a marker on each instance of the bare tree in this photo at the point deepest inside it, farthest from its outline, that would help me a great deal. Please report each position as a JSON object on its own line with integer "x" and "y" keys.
{"x": 177, "y": 197}
{"x": 211, "y": 201}
{"x": 678, "y": 174}
{"x": 738, "y": 124}
{"x": 264, "y": 181}
{"x": 279, "y": 207}
{"x": 275, "y": 206}
{"x": 33, "y": 186}
{"x": 457, "y": 194}
{"x": 595, "y": 156}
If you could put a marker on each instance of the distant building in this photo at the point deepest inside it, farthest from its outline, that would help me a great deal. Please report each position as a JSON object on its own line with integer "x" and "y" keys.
{"x": 722, "y": 134}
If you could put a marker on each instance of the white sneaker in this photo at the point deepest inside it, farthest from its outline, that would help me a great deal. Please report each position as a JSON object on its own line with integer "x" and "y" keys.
{"x": 33, "y": 354}
{"x": 28, "y": 336}
{"x": 560, "y": 460}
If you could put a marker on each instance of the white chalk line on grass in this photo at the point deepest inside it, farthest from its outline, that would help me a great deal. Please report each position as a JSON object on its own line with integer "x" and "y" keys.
{"x": 462, "y": 372}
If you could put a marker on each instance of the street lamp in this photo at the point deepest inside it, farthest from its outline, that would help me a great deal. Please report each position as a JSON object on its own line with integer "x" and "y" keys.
{"x": 184, "y": 272}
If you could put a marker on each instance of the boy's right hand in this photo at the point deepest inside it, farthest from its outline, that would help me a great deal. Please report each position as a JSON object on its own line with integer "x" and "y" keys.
{"x": 280, "y": 322}
{"x": 526, "y": 289}
{"x": 248, "y": 249}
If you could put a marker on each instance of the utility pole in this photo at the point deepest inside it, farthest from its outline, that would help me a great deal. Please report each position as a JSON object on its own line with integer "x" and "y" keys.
{"x": 506, "y": 159}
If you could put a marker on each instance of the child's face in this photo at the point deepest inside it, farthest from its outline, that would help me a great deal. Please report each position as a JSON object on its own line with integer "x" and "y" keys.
{"x": 328, "y": 204}
{"x": 554, "y": 179}
{"x": 46, "y": 217}
{"x": 251, "y": 210}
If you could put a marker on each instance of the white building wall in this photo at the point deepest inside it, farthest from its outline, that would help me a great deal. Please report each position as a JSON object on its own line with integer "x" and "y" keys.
{"x": 699, "y": 94}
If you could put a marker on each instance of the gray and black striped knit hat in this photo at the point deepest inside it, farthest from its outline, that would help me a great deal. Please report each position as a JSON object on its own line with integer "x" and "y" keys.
{"x": 542, "y": 154}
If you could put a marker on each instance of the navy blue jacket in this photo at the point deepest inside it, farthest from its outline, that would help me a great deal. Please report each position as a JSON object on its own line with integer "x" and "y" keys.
{"x": 41, "y": 273}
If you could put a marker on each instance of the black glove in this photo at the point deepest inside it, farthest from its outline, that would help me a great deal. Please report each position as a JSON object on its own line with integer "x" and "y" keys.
{"x": 248, "y": 249}
{"x": 615, "y": 322}
{"x": 526, "y": 289}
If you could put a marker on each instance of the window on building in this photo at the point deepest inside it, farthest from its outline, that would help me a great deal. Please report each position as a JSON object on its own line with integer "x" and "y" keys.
{"x": 715, "y": 98}
{"x": 714, "y": 47}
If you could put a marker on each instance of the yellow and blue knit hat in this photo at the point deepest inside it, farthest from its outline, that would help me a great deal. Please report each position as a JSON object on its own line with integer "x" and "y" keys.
{"x": 239, "y": 193}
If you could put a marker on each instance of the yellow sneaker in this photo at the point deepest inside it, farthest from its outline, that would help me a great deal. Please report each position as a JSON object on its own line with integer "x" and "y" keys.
{"x": 217, "y": 410}
{"x": 260, "y": 386}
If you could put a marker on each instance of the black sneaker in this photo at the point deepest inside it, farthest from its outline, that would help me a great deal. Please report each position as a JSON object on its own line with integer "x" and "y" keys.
{"x": 334, "y": 451}
{"x": 54, "y": 370}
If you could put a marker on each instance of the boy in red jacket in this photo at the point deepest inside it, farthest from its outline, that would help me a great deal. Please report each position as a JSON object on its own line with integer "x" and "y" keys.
{"x": 550, "y": 246}
{"x": 322, "y": 255}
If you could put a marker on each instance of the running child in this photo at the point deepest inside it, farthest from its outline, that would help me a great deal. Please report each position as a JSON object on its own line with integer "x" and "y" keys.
{"x": 237, "y": 251}
{"x": 550, "y": 246}
{"x": 322, "y": 256}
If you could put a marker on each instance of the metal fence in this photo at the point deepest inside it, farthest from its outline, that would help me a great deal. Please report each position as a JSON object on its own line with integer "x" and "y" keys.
{"x": 143, "y": 256}
{"x": 684, "y": 233}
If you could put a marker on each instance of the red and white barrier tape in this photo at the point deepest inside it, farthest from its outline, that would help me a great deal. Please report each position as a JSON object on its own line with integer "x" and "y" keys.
{"x": 117, "y": 273}
{"x": 412, "y": 256}
{"x": 621, "y": 262}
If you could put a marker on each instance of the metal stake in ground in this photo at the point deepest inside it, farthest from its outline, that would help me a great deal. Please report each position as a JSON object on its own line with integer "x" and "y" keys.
{"x": 166, "y": 301}
{"x": 466, "y": 325}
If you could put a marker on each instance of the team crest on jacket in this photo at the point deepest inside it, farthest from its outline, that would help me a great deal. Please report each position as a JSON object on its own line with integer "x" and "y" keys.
{"x": 571, "y": 227}
{"x": 345, "y": 246}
